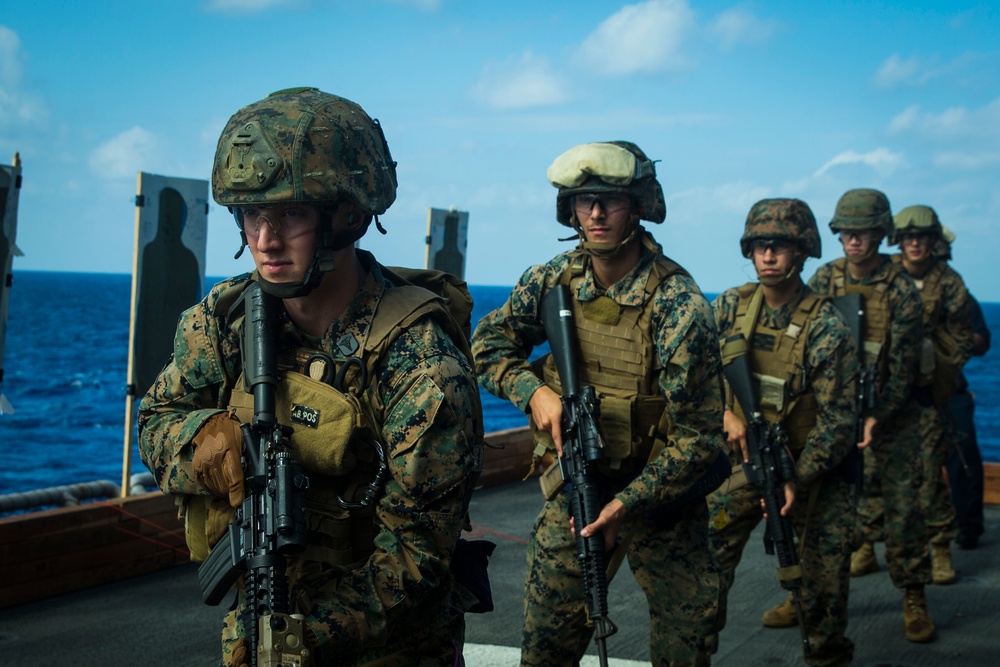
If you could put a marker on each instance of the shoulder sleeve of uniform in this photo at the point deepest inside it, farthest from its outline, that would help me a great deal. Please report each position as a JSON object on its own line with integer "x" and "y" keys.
{"x": 680, "y": 308}
{"x": 724, "y": 309}
{"x": 820, "y": 281}
{"x": 829, "y": 322}
{"x": 203, "y": 330}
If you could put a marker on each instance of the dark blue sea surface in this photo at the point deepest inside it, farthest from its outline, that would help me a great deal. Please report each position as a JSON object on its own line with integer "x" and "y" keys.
{"x": 66, "y": 358}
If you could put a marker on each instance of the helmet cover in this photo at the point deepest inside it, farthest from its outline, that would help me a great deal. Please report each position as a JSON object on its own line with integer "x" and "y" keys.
{"x": 916, "y": 220}
{"x": 303, "y": 145}
{"x": 611, "y": 166}
{"x": 862, "y": 208}
{"x": 782, "y": 220}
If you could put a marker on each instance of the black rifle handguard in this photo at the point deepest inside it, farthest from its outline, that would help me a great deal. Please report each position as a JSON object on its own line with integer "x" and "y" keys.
{"x": 770, "y": 467}
{"x": 582, "y": 450}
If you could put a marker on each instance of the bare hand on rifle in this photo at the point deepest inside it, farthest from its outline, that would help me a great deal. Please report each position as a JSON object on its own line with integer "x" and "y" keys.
{"x": 736, "y": 434}
{"x": 546, "y": 410}
{"x": 869, "y": 429}
{"x": 609, "y": 520}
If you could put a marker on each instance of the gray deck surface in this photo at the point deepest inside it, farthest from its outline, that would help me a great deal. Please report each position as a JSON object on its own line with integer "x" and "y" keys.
{"x": 158, "y": 619}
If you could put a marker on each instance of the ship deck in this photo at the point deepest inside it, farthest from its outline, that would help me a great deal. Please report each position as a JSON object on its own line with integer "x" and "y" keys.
{"x": 158, "y": 619}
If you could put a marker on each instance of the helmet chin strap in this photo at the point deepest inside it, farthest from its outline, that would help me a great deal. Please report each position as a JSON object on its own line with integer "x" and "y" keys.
{"x": 605, "y": 250}
{"x": 872, "y": 251}
{"x": 327, "y": 243}
{"x": 774, "y": 281}
{"x": 297, "y": 289}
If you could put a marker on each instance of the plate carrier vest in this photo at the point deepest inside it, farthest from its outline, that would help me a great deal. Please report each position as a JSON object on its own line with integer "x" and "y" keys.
{"x": 618, "y": 359}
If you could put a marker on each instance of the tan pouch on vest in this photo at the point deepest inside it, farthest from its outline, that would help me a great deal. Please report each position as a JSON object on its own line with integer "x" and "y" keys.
{"x": 206, "y": 519}
{"x": 323, "y": 421}
{"x": 616, "y": 428}
{"x": 552, "y": 481}
{"x": 771, "y": 391}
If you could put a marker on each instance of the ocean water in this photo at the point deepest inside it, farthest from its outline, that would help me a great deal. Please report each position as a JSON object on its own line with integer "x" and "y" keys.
{"x": 64, "y": 374}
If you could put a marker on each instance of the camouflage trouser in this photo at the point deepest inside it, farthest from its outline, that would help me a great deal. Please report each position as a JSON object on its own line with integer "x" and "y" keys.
{"x": 892, "y": 507}
{"x": 870, "y": 506}
{"x": 428, "y": 639}
{"x": 935, "y": 494}
{"x": 925, "y": 427}
{"x": 823, "y": 527}
{"x": 671, "y": 563}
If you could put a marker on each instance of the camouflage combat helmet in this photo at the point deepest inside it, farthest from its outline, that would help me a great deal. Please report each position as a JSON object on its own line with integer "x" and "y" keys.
{"x": 782, "y": 219}
{"x": 611, "y": 166}
{"x": 860, "y": 209}
{"x": 916, "y": 220}
{"x": 305, "y": 146}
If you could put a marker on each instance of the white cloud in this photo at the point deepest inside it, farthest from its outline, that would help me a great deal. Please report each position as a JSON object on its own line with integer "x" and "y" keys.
{"x": 881, "y": 160}
{"x": 125, "y": 155}
{"x": 646, "y": 37}
{"x": 737, "y": 26}
{"x": 17, "y": 107}
{"x": 950, "y": 123}
{"x": 520, "y": 83}
{"x": 960, "y": 160}
{"x": 10, "y": 57}
{"x": 896, "y": 71}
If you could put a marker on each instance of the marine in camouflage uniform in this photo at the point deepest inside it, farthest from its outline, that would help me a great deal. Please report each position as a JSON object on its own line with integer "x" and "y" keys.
{"x": 948, "y": 322}
{"x": 788, "y": 327}
{"x": 629, "y": 297}
{"x": 893, "y": 327}
{"x": 304, "y": 173}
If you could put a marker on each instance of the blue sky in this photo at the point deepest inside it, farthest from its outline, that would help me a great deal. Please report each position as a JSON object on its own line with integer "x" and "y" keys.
{"x": 738, "y": 100}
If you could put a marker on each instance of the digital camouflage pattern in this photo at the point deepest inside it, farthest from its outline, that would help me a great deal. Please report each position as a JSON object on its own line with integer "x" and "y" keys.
{"x": 669, "y": 559}
{"x": 893, "y": 468}
{"x": 401, "y": 606}
{"x": 905, "y": 330}
{"x": 935, "y": 495}
{"x": 824, "y": 525}
{"x": 948, "y": 316}
{"x": 787, "y": 219}
{"x": 303, "y": 145}
{"x": 863, "y": 208}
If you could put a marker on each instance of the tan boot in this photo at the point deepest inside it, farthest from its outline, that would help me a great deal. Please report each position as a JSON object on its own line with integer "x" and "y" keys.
{"x": 782, "y": 616}
{"x": 863, "y": 560}
{"x": 917, "y": 625}
{"x": 942, "y": 572}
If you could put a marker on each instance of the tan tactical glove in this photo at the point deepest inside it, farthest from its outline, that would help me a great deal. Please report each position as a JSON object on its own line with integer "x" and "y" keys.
{"x": 217, "y": 449}
{"x": 240, "y": 656}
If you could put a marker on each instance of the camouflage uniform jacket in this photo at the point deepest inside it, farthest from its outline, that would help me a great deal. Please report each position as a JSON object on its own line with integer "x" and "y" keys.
{"x": 688, "y": 368}
{"x": 831, "y": 371}
{"x": 905, "y": 332}
{"x": 948, "y": 306}
{"x": 423, "y": 392}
